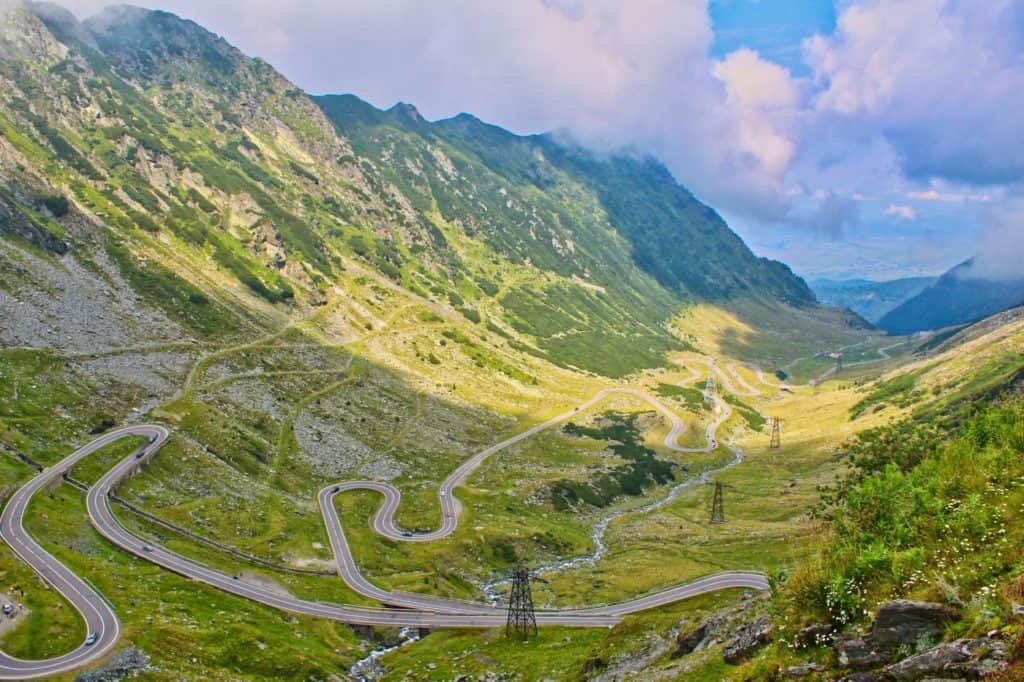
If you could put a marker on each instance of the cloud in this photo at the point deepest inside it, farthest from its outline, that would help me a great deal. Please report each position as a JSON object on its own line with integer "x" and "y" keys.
{"x": 834, "y": 214}
{"x": 766, "y": 100}
{"x": 938, "y": 79}
{"x": 637, "y": 75}
{"x": 901, "y": 212}
{"x": 935, "y": 195}
{"x": 1000, "y": 252}
{"x": 908, "y": 100}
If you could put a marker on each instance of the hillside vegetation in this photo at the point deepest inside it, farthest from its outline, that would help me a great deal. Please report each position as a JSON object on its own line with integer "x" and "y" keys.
{"x": 307, "y": 290}
{"x": 244, "y": 199}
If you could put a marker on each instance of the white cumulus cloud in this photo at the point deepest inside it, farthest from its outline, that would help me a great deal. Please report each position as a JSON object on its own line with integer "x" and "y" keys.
{"x": 901, "y": 211}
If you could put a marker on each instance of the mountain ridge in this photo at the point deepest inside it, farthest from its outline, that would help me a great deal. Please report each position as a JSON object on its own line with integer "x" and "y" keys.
{"x": 164, "y": 135}
{"x": 868, "y": 298}
{"x": 957, "y": 297}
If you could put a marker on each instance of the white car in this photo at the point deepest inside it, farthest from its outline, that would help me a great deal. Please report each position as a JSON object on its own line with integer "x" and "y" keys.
{"x": 91, "y": 639}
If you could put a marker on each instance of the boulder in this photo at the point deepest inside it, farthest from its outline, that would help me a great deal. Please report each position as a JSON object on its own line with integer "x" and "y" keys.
{"x": 960, "y": 659}
{"x": 802, "y": 670}
{"x": 750, "y": 637}
{"x": 861, "y": 652}
{"x": 906, "y": 622}
{"x": 815, "y": 634}
{"x": 687, "y": 641}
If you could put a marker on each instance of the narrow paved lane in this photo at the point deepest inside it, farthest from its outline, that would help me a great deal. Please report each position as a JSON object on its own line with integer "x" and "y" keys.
{"x": 422, "y": 611}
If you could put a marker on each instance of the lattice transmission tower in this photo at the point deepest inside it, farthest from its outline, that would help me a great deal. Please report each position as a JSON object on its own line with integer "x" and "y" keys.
{"x": 776, "y": 441}
{"x": 521, "y": 620}
{"x": 839, "y": 361}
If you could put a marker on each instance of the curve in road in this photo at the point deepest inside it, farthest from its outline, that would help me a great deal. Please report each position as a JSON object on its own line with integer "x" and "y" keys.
{"x": 419, "y": 610}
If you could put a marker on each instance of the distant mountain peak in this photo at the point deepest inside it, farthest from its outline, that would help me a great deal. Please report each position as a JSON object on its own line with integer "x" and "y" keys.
{"x": 408, "y": 110}
{"x": 960, "y": 295}
{"x": 148, "y": 43}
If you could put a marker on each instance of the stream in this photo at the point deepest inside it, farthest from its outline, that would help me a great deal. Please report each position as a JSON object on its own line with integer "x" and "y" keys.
{"x": 368, "y": 669}
{"x": 495, "y": 595}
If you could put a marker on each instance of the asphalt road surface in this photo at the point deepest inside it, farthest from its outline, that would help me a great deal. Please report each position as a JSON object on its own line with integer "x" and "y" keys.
{"x": 415, "y": 610}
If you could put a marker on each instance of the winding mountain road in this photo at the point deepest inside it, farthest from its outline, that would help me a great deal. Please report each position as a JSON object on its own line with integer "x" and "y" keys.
{"x": 420, "y": 611}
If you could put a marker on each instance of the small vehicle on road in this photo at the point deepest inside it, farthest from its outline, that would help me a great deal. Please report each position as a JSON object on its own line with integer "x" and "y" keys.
{"x": 448, "y": 514}
{"x": 8, "y": 609}
{"x": 91, "y": 639}
{"x": 335, "y": 489}
{"x": 406, "y": 534}
{"x": 147, "y": 548}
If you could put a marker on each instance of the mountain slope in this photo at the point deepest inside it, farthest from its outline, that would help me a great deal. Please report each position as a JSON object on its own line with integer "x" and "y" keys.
{"x": 163, "y": 138}
{"x": 869, "y": 299}
{"x": 957, "y": 297}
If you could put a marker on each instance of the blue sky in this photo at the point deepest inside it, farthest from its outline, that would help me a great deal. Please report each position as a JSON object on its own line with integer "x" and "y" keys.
{"x": 861, "y": 138}
{"x": 774, "y": 28}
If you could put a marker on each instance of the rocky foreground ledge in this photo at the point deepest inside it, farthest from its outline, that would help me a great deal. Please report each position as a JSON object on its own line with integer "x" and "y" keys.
{"x": 904, "y": 642}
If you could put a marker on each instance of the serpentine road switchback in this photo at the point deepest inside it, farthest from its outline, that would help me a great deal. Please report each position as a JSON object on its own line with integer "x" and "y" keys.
{"x": 412, "y": 610}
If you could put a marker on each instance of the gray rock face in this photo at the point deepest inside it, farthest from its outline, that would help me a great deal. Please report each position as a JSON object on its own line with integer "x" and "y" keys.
{"x": 126, "y": 664}
{"x": 13, "y": 220}
{"x": 815, "y": 634}
{"x": 687, "y": 641}
{"x": 749, "y": 639}
{"x": 861, "y": 652}
{"x": 907, "y": 622}
{"x": 960, "y": 659}
{"x": 796, "y": 672}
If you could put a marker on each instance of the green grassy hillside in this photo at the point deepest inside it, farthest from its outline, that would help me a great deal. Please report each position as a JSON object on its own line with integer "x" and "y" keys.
{"x": 311, "y": 290}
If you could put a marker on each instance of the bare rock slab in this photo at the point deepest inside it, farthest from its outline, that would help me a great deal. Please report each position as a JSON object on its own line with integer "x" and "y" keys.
{"x": 907, "y": 622}
{"x": 749, "y": 639}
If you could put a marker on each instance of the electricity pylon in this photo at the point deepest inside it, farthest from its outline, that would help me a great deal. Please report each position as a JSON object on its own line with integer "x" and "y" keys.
{"x": 839, "y": 361}
{"x": 521, "y": 620}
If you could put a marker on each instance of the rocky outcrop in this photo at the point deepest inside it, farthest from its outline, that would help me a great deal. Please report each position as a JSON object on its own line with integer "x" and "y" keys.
{"x": 961, "y": 659}
{"x": 14, "y": 221}
{"x": 128, "y": 663}
{"x": 815, "y": 634}
{"x": 750, "y": 638}
{"x": 861, "y": 652}
{"x": 796, "y": 672}
{"x": 908, "y": 622}
{"x": 897, "y": 623}
{"x": 688, "y": 640}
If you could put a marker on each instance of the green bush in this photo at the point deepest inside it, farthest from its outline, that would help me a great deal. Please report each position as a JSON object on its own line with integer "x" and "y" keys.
{"x": 920, "y": 508}
{"x": 642, "y": 470}
{"x": 58, "y": 205}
